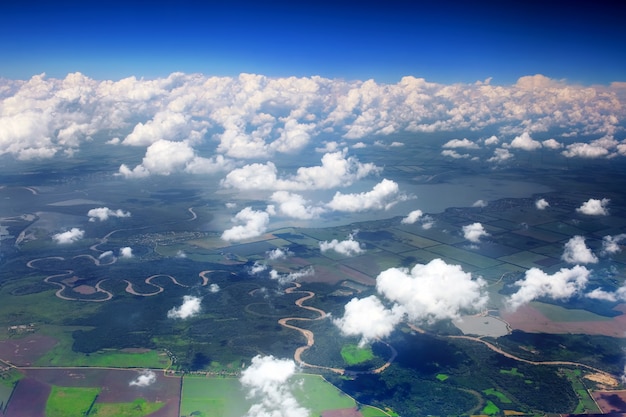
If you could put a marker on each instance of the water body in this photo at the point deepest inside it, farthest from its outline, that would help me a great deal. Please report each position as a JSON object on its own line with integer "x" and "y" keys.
{"x": 482, "y": 326}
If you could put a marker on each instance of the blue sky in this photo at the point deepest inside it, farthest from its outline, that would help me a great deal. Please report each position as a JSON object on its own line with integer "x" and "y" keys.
{"x": 582, "y": 42}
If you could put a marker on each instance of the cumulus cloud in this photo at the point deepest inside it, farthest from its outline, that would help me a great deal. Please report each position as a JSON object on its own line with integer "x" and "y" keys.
{"x": 165, "y": 157}
{"x": 368, "y": 318}
{"x": 500, "y": 155}
{"x": 189, "y": 308}
{"x": 71, "y": 236}
{"x": 269, "y": 382}
{"x": 552, "y": 144}
{"x": 480, "y": 203}
{"x": 412, "y": 217}
{"x": 257, "y": 268}
{"x": 454, "y": 154}
{"x": 473, "y": 232}
{"x": 383, "y": 196}
{"x": 103, "y": 213}
{"x": 461, "y": 143}
{"x": 542, "y": 204}
{"x": 525, "y": 142}
{"x": 610, "y": 244}
{"x": 278, "y": 253}
{"x": 214, "y": 288}
{"x": 492, "y": 140}
{"x": 252, "y": 223}
{"x": 337, "y": 170}
{"x": 295, "y": 206}
{"x": 426, "y": 293}
{"x": 594, "y": 207}
{"x": 348, "y": 247}
{"x": 560, "y": 286}
{"x": 292, "y": 276}
{"x": 577, "y": 252}
{"x": 144, "y": 379}
{"x": 257, "y": 116}
{"x": 126, "y": 252}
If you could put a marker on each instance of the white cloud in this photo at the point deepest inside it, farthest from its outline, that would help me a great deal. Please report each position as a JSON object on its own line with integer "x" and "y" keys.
{"x": 594, "y": 207}
{"x": 190, "y": 307}
{"x": 460, "y": 143}
{"x": 337, "y": 170}
{"x": 126, "y": 252}
{"x": 561, "y": 285}
{"x": 431, "y": 292}
{"x": 348, "y": 247}
{"x": 383, "y": 196}
{"x": 71, "y": 236}
{"x": 492, "y": 140}
{"x": 525, "y": 142}
{"x": 412, "y": 217}
{"x": 500, "y": 155}
{"x": 480, "y": 203}
{"x": 252, "y": 223}
{"x": 278, "y": 253}
{"x": 473, "y": 232}
{"x": 584, "y": 150}
{"x": 295, "y": 206}
{"x": 214, "y": 288}
{"x": 292, "y": 276}
{"x": 454, "y": 154}
{"x": 103, "y": 213}
{"x": 368, "y": 318}
{"x": 144, "y": 379}
{"x": 269, "y": 383}
{"x": 610, "y": 244}
{"x": 257, "y": 268}
{"x": 552, "y": 144}
{"x": 542, "y": 204}
{"x": 577, "y": 252}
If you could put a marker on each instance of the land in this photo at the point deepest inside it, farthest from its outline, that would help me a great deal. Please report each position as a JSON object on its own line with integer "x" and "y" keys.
{"x": 74, "y": 317}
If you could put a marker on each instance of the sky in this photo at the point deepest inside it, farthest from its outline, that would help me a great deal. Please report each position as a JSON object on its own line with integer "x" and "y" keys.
{"x": 453, "y": 41}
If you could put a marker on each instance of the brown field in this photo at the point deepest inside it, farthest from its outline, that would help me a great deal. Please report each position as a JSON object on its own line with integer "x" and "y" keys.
{"x": 611, "y": 401}
{"x": 25, "y": 351}
{"x": 530, "y": 320}
{"x": 114, "y": 384}
{"x": 29, "y": 399}
{"x": 342, "y": 412}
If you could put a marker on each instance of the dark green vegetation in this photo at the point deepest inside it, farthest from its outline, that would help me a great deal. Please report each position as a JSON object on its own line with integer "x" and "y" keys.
{"x": 432, "y": 373}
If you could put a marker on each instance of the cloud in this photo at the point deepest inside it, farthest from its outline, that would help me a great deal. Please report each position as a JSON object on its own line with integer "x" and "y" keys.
{"x": 610, "y": 244}
{"x": 165, "y": 157}
{"x": 257, "y": 268}
{"x": 348, "y": 247}
{"x": 561, "y": 285}
{"x": 368, "y": 318}
{"x": 189, "y": 308}
{"x": 576, "y": 252}
{"x": 412, "y": 217}
{"x": 278, "y": 253}
{"x": 431, "y": 292}
{"x": 103, "y": 213}
{"x": 254, "y": 116}
{"x": 473, "y": 232}
{"x": 295, "y": 206}
{"x": 525, "y": 142}
{"x": 594, "y": 207}
{"x": 126, "y": 252}
{"x": 454, "y": 154}
{"x": 292, "y": 276}
{"x": 500, "y": 155}
{"x": 460, "y": 143}
{"x": 253, "y": 223}
{"x": 145, "y": 379}
{"x": 383, "y": 196}
{"x": 214, "y": 288}
{"x": 71, "y": 236}
{"x": 337, "y": 170}
{"x": 480, "y": 203}
{"x": 541, "y": 204}
{"x": 492, "y": 140}
{"x": 269, "y": 383}
{"x": 426, "y": 293}
{"x": 551, "y": 144}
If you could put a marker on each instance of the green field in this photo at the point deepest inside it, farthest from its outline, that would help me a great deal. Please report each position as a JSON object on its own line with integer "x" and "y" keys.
{"x": 353, "y": 354}
{"x": 586, "y": 404}
{"x": 442, "y": 377}
{"x": 499, "y": 395}
{"x": 138, "y": 408}
{"x": 70, "y": 401}
{"x": 225, "y": 397}
{"x": 491, "y": 409}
